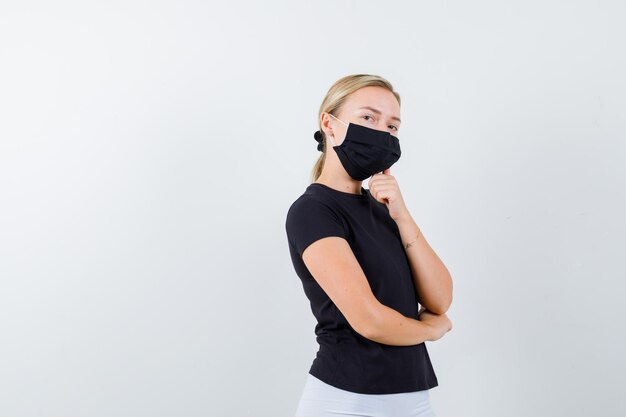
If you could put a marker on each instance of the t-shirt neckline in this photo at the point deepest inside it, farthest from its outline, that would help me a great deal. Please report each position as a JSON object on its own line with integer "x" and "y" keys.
{"x": 363, "y": 195}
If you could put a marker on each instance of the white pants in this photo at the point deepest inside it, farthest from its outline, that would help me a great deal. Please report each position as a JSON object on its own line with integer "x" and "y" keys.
{"x": 320, "y": 399}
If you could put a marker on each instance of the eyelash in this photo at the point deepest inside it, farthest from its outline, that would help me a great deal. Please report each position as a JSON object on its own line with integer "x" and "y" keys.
{"x": 369, "y": 115}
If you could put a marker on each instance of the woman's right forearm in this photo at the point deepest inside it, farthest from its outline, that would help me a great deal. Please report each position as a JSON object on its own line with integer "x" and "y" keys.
{"x": 392, "y": 328}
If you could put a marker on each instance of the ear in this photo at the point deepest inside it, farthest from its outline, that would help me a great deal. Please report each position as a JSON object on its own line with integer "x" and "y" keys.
{"x": 325, "y": 122}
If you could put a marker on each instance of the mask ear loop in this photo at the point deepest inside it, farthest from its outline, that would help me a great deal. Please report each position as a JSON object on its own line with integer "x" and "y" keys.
{"x": 330, "y": 137}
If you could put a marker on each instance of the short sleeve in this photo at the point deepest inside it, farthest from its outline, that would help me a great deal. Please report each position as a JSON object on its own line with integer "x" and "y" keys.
{"x": 309, "y": 220}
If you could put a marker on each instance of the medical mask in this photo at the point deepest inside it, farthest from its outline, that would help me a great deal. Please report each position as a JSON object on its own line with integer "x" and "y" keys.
{"x": 365, "y": 151}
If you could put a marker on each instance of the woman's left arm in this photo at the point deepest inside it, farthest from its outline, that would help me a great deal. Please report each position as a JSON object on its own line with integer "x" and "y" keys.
{"x": 432, "y": 279}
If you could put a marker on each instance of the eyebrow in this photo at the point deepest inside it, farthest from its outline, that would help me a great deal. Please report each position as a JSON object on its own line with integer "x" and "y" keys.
{"x": 378, "y": 112}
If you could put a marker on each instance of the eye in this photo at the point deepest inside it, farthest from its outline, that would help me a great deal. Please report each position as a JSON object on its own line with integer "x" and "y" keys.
{"x": 395, "y": 127}
{"x": 368, "y": 115}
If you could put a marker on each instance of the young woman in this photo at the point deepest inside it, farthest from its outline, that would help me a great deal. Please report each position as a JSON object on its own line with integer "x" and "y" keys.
{"x": 365, "y": 265}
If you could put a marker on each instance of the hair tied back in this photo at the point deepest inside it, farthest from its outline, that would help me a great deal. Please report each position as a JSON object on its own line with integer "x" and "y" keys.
{"x": 319, "y": 138}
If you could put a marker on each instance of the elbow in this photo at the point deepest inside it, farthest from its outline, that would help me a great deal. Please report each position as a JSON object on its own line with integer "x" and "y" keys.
{"x": 369, "y": 331}
{"x": 368, "y": 322}
{"x": 439, "y": 308}
{"x": 443, "y": 302}
{"x": 441, "y": 305}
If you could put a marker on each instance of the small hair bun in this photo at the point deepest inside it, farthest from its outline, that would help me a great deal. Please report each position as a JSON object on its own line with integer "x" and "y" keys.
{"x": 320, "y": 140}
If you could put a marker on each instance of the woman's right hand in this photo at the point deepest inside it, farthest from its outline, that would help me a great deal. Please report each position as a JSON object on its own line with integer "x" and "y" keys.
{"x": 439, "y": 323}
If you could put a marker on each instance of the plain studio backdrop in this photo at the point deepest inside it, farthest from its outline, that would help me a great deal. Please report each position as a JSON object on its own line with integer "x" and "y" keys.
{"x": 149, "y": 152}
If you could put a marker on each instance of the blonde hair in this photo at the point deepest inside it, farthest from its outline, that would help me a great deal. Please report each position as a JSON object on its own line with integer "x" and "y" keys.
{"x": 336, "y": 96}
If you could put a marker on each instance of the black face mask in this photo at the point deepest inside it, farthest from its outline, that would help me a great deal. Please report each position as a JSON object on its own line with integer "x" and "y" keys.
{"x": 365, "y": 151}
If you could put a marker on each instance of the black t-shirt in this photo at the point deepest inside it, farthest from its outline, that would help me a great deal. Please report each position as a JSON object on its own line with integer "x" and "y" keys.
{"x": 346, "y": 359}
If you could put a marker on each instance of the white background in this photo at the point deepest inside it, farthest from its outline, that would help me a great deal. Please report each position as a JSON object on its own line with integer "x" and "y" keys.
{"x": 149, "y": 152}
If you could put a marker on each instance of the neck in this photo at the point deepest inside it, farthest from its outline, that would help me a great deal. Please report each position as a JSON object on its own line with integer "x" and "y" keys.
{"x": 347, "y": 185}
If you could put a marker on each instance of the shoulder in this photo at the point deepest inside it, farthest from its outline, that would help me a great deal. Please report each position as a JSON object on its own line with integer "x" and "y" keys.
{"x": 310, "y": 218}
{"x": 310, "y": 205}
{"x": 312, "y": 199}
